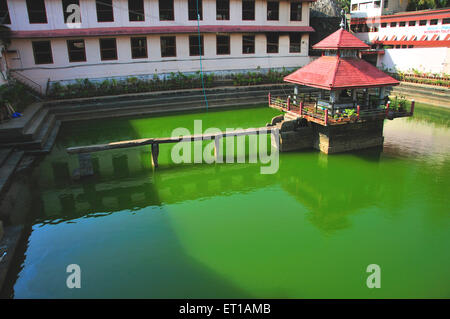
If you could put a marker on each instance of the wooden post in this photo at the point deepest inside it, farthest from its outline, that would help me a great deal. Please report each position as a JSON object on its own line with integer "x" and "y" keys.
{"x": 217, "y": 152}
{"x": 326, "y": 117}
{"x": 412, "y": 107}
{"x": 357, "y": 111}
{"x": 155, "y": 153}
{"x": 86, "y": 167}
{"x": 289, "y": 103}
{"x": 301, "y": 108}
{"x": 269, "y": 99}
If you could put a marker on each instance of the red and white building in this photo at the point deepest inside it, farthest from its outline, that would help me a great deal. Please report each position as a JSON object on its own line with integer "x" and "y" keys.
{"x": 121, "y": 38}
{"x": 385, "y": 29}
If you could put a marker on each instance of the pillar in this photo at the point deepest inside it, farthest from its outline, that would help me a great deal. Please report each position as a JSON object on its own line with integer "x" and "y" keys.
{"x": 86, "y": 167}
{"x": 155, "y": 153}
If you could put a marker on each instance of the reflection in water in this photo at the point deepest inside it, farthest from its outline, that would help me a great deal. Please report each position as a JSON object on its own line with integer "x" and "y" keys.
{"x": 227, "y": 231}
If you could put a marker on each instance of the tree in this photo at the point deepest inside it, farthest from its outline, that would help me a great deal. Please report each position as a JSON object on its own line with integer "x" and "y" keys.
{"x": 414, "y": 5}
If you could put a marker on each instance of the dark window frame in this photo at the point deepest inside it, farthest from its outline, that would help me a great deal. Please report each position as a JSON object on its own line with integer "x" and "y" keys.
{"x": 72, "y": 51}
{"x": 225, "y": 46}
{"x": 36, "y": 53}
{"x": 192, "y": 10}
{"x": 393, "y": 24}
{"x": 166, "y": 13}
{"x": 39, "y": 19}
{"x": 411, "y": 23}
{"x": 293, "y": 44}
{"x": 433, "y": 21}
{"x": 197, "y": 47}
{"x": 105, "y": 12}
{"x": 173, "y": 46}
{"x": 65, "y": 4}
{"x": 4, "y": 12}
{"x": 273, "y": 13}
{"x": 249, "y": 38}
{"x": 136, "y": 10}
{"x": 138, "y": 47}
{"x": 446, "y": 21}
{"x": 248, "y": 10}
{"x": 402, "y": 24}
{"x": 223, "y": 11}
{"x": 271, "y": 47}
{"x": 383, "y": 25}
{"x": 423, "y": 22}
{"x": 112, "y": 49}
{"x": 297, "y": 16}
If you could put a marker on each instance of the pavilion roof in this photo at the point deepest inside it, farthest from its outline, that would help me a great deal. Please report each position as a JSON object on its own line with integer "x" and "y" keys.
{"x": 335, "y": 72}
{"x": 341, "y": 39}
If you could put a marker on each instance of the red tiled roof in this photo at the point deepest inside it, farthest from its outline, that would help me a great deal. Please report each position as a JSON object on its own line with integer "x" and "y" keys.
{"x": 341, "y": 39}
{"x": 333, "y": 72}
{"x": 91, "y": 32}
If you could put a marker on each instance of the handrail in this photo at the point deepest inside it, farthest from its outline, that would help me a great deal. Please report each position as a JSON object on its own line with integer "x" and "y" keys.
{"x": 27, "y": 81}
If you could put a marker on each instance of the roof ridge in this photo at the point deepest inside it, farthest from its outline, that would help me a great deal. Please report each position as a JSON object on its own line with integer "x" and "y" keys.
{"x": 335, "y": 71}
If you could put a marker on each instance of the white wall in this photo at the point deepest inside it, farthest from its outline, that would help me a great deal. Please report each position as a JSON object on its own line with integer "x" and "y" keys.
{"x": 435, "y": 60}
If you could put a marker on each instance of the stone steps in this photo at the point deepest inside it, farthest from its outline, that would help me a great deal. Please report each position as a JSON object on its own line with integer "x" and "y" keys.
{"x": 8, "y": 167}
{"x": 423, "y": 93}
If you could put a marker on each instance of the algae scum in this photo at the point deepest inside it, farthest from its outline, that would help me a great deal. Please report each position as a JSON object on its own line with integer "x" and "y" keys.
{"x": 225, "y": 230}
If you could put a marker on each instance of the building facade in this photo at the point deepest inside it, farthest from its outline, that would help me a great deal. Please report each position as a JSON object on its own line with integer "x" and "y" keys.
{"x": 65, "y": 40}
{"x": 423, "y": 36}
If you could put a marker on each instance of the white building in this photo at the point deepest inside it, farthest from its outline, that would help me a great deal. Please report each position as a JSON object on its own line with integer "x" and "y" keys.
{"x": 119, "y": 38}
{"x": 423, "y": 36}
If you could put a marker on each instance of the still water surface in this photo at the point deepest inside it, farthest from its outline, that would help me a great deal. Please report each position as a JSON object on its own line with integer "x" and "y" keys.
{"x": 226, "y": 231}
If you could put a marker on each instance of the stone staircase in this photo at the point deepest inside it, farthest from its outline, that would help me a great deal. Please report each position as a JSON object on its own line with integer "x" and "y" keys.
{"x": 9, "y": 162}
{"x": 162, "y": 102}
{"x": 423, "y": 93}
{"x": 34, "y": 132}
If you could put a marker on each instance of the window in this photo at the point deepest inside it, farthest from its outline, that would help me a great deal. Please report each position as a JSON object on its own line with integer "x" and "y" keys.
{"x": 446, "y": 21}
{"x": 248, "y": 44}
{"x": 68, "y": 9}
{"x": 108, "y": 49}
{"x": 223, "y": 44}
{"x": 136, "y": 10}
{"x": 433, "y": 22}
{"x": 295, "y": 40}
{"x": 412, "y": 23}
{"x": 36, "y": 11}
{"x": 139, "y": 48}
{"x": 273, "y": 10}
{"x": 248, "y": 10}
{"x": 402, "y": 24}
{"x": 168, "y": 47}
{"x": 383, "y": 25}
{"x": 223, "y": 9}
{"x": 423, "y": 22}
{"x": 386, "y": 4}
{"x": 42, "y": 51}
{"x": 166, "y": 10}
{"x": 355, "y": 7}
{"x": 105, "y": 11}
{"x": 272, "y": 42}
{"x": 376, "y": 4}
{"x": 192, "y": 6}
{"x": 76, "y": 50}
{"x": 4, "y": 13}
{"x": 195, "y": 46}
{"x": 296, "y": 11}
{"x": 393, "y": 24}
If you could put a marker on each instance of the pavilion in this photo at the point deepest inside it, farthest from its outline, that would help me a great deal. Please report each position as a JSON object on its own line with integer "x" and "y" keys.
{"x": 349, "y": 88}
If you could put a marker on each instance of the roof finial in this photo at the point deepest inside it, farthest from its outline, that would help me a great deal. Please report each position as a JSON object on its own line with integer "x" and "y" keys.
{"x": 342, "y": 25}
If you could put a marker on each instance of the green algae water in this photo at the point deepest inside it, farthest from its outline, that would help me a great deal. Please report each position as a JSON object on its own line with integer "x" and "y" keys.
{"x": 227, "y": 231}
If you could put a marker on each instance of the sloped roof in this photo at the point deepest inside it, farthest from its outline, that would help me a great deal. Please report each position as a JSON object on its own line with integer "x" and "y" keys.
{"x": 341, "y": 39}
{"x": 334, "y": 72}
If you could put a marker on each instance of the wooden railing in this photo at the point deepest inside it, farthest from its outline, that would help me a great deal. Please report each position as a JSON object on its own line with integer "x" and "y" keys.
{"x": 36, "y": 87}
{"x": 310, "y": 112}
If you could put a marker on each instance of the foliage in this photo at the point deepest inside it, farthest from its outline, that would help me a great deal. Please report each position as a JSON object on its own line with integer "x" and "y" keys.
{"x": 173, "y": 81}
{"x": 17, "y": 95}
{"x": 344, "y": 4}
{"x": 414, "y": 5}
